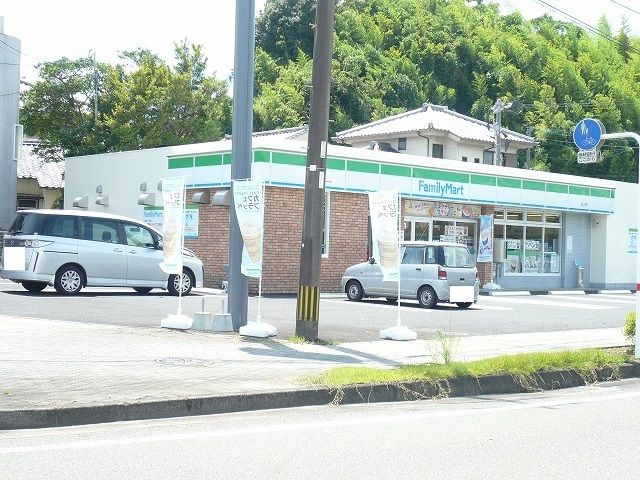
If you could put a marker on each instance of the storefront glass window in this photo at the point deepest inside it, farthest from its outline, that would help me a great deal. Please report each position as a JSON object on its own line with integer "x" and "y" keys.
{"x": 534, "y": 217}
{"x": 551, "y": 250}
{"x": 498, "y": 215}
{"x": 514, "y": 216}
{"x": 533, "y": 250}
{"x": 422, "y": 231}
{"x": 552, "y": 218}
{"x": 407, "y": 230}
{"x": 514, "y": 237}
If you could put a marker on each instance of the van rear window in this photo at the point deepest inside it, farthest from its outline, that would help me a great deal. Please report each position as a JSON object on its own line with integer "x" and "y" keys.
{"x": 25, "y": 223}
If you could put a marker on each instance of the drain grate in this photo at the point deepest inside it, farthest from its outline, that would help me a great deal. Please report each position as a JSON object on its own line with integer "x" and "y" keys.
{"x": 184, "y": 362}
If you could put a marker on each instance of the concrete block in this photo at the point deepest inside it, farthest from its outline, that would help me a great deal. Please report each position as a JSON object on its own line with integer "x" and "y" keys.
{"x": 202, "y": 321}
{"x": 222, "y": 322}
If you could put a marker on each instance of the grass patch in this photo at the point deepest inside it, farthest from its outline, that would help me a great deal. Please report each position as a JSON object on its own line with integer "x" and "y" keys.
{"x": 583, "y": 361}
{"x": 302, "y": 340}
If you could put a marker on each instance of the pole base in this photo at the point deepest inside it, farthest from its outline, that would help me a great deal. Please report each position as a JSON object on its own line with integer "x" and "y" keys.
{"x": 307, "y": 329}
{"x": 258, "y": 329}
{"x": 179, "y": 321}
{"x": 398, "y": 333}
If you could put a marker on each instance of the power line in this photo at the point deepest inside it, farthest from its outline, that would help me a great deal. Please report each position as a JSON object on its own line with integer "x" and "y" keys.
{"x": 584, "y": 24}
{"x": 624, "y": 6}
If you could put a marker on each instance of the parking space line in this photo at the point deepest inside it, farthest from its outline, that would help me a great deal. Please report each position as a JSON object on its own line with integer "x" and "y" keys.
{"x": 551, "y": 303}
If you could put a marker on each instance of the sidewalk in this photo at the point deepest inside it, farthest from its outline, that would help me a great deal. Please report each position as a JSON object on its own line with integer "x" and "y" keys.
{"x": 48, "y": 365}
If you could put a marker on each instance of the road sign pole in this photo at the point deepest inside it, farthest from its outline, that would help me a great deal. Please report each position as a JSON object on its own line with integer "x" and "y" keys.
{"x": 636, "y": 137}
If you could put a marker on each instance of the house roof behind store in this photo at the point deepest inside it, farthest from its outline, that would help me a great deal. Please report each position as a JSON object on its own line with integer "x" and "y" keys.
{"x": 30, "y": 165}
{"x": 292, "y": 133}
{"x": 432, "y": 118}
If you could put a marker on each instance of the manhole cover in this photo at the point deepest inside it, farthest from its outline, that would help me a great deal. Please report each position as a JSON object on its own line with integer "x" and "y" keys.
{"x": 184, "y": 361}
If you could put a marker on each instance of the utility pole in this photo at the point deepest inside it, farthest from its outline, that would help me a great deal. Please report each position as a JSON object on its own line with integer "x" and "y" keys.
{"x": 497, "y": 129}
{"x": 308, "y": 305}
{"x": 241, "y": 129}
{"x": 528, "y": 161}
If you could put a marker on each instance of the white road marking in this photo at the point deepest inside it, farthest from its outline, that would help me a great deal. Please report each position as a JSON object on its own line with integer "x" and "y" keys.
{"x": 551, "y": 303}
{"x": 369, "y": 420}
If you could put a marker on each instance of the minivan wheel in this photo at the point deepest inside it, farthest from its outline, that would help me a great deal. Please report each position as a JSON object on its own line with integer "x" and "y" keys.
{"x": 142, "y": 290}
{"x": 354, "y": 291}
{"x": 427, "y": 297}
{"x": 68, "y": 280}
{"x": 174, "y": 284}
{"x": 34, "y": 287}
{"x": 463, "y": 304}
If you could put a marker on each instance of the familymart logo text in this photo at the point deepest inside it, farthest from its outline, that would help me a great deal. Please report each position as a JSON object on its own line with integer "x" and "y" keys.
{"x": 441, "y": 189}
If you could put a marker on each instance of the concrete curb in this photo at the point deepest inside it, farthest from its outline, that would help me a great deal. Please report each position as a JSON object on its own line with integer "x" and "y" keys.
{"x": 456, "y": 387}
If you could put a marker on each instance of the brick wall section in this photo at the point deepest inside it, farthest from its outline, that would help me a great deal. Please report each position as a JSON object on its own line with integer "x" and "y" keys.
{"x": 484, "y": 268}
{"x": 283, "y": 234}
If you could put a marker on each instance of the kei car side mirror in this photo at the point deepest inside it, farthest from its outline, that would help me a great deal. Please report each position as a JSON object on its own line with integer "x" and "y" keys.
{"x": 372, "y": 260}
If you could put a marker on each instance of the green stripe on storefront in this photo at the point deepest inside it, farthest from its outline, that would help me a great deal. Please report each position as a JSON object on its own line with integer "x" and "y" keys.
{"x": 557, "y": 188}
{"x": 530, "y": 185}
{"x": 289, "y": 159}
{"x": 441, "y": 175}
{"x": 575, "y": 190}
{"x": 509, "y": 183}
{"x": 483, "y": 180}
{"x": 226, "y": 159}
{"x": 209, "y": 160}
{"x": 602, "y": 193}
{"x": 335, "y": 163}
{"x": 396, "y": 170}
{"x": 181, "y": 162}
{"x": 260, "y": 156}
{"x": 363, "y": 167}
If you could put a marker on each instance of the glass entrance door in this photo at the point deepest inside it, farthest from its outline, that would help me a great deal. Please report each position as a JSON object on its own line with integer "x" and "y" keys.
{"x": 417, "y": 230}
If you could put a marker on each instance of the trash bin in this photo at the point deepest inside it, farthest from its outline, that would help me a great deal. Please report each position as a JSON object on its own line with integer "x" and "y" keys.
{"x": 580, "y": 276}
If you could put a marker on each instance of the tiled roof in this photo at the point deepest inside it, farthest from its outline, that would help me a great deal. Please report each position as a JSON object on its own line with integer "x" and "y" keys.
{"x": 30, "y": 165}
{"x": 291, "y": 133}
{"x": 436, "y": 118}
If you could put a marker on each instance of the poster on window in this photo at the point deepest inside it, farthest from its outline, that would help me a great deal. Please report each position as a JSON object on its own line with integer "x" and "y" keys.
{"x": 485, "y": 245}
{"x": 633, "y": 241}
{"x": 248, "y": 198}
{"x": 173, "y": 224}
{"x": 383, "y": 209}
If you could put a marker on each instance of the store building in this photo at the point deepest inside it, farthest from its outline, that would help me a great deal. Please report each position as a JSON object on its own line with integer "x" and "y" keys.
{"x": 546, "y": 225}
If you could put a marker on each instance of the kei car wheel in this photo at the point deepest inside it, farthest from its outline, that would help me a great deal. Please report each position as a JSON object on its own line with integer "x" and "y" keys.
{"x": 463, "y": 304}
{"x": 68, "y": 280}
{"x": 427, "y": 297}
{"x": 354, "y": 291}
{"x": 174, "y": 284}
{"x": 34, "y": 287}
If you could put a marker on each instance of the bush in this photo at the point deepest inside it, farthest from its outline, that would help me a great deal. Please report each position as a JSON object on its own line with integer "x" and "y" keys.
{"x": 629, "y": 329}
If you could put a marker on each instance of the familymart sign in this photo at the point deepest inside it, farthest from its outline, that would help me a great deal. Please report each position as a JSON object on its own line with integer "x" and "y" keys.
{"x": 287, "y": 169}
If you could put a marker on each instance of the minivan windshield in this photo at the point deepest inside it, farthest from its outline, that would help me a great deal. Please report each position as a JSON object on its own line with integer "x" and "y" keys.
{"x": 457, "y": 257}
{"x": 25, "y": 223}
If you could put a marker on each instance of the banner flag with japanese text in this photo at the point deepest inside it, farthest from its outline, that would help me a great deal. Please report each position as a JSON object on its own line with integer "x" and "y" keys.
{"x": 248, "y": 198}
{"x": 173, "y": 224}
{"x": 485, "y": 245}
{"x": 383, "y": 209}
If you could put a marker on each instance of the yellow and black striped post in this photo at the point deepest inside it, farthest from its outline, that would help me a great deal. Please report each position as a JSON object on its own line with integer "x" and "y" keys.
{"x": 308, "y": 303}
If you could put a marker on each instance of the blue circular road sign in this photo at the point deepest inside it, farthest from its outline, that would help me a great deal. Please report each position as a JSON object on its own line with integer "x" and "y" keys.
{"x": 588, "y": 134}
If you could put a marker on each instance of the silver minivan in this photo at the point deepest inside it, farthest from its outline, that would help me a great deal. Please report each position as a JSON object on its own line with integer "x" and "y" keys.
{"x": 71, "y": 249}
{"x": 427, "y": 271}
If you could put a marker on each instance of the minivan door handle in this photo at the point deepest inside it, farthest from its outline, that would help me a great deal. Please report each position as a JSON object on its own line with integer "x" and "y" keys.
{"x": 131, "y": 251}
{"x": 418, "y": 268}
{"x": 117, "y": 250}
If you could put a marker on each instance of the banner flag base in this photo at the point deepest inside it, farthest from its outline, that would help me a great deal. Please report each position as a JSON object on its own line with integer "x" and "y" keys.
{"x": 398, "y": 333}
{"x": 258, "y": 329}
{"x": 179, "y": 321}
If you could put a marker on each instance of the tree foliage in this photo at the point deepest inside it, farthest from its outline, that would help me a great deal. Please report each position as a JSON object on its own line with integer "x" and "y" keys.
{"x": 142, "y": 103}
{"x": 393, "y": 55}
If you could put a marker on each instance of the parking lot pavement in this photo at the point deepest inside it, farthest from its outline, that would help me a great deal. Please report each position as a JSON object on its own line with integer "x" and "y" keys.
{"x": 340, "y": 320}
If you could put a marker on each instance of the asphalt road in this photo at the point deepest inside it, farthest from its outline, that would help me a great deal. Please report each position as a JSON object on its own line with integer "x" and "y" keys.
{"x": 340, "y": 320}
{"x": 582, "y": 433}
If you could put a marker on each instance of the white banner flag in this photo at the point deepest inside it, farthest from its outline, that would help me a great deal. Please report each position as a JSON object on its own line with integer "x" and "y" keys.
{"x": 173, "y": 224}
{"x": 383, "y": 209}
{"x": 248, "y": 198}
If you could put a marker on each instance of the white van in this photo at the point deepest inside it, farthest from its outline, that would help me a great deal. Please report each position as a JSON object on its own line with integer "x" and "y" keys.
{"x": 71, "y": 249}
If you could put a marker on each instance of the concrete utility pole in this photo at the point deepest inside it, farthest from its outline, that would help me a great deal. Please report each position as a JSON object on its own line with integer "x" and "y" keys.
{"x": 241, "y": 129}
{"x": 308, "y": 305}
{"x": 497, "y": 129}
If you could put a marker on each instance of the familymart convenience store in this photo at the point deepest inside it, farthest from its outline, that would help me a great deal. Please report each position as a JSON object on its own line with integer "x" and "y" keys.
{"x": 545, "y": 226}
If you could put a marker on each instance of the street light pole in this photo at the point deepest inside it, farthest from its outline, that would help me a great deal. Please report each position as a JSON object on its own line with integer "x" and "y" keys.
{"x": 497, "y": 127}
{"x": 308, "y": 304}
{"x": 241, "y": 129}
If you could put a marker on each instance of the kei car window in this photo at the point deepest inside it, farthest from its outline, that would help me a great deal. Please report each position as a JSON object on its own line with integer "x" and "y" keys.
{"x": 138, "y": 236}
{"x": 457, "y": 257}
{"x": 413, "y": 255}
